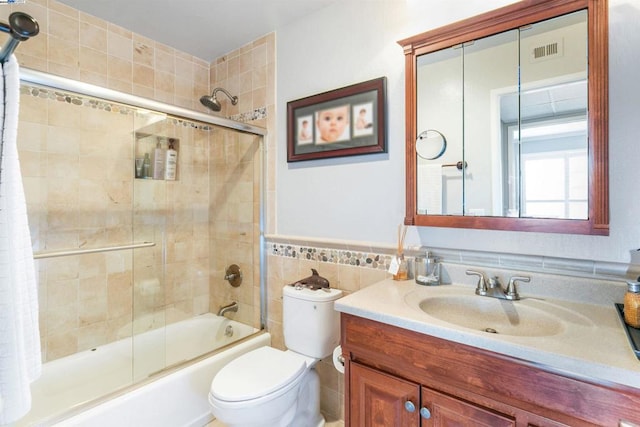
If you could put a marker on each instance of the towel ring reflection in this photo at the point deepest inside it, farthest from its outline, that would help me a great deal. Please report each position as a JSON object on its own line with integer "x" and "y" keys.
{"x": 431, "y": 144}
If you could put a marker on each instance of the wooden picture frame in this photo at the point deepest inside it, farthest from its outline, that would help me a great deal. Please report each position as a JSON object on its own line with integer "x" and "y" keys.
{"x": 343, "y": 122}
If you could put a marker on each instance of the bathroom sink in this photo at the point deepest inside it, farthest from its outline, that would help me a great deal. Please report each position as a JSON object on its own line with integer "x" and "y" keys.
{"x": 492, "y": 315}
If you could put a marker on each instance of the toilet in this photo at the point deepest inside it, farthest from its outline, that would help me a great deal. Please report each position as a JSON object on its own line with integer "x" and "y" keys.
{"x": 271, "y": 387}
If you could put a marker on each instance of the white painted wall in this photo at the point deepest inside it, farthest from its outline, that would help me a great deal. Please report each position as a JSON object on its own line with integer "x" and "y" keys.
{"x": 362, "y": 198}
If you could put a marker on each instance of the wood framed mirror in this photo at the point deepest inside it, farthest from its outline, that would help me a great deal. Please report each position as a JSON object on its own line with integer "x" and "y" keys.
{"x": 520, "y": 94}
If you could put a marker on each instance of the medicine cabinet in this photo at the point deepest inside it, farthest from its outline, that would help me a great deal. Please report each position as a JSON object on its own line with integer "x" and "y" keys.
{"x": 507, "y": 120}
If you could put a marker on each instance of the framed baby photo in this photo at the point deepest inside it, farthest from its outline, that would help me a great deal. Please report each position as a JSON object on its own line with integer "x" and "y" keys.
{"x": 343, "y": 122}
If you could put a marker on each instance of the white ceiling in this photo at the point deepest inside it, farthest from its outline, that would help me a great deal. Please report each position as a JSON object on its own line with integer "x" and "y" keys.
{"x": 207, "y": 29}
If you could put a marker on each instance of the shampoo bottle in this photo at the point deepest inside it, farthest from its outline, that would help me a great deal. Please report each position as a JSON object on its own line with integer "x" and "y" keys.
{"x": 171, "y": 164}
{"x": 146, "y": 166}
{"x": 158, "y": 161}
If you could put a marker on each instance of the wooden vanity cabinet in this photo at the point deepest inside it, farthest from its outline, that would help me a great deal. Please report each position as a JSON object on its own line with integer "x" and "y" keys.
{"x": 396, "y": 377}
{"x": 379, "y": 399}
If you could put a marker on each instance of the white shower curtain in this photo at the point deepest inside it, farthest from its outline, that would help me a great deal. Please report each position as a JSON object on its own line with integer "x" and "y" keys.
{"x": 20, "y": 359}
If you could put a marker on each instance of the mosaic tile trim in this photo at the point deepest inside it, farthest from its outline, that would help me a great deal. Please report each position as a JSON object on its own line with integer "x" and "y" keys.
{"x": 257, "y": 114}
{"x": 75, "y": 99}
{"x": 530, "y": 263}
{"x": 106, "y": 106}
{"x": 334, "y": 256}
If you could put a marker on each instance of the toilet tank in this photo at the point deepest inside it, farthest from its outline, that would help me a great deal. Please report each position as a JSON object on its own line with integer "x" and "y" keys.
{"x": 311, "y": 325}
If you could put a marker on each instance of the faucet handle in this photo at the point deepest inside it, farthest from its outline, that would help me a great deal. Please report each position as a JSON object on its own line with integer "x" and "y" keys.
{"x": 512, "y": 292}
{"x": 481, "y": 287}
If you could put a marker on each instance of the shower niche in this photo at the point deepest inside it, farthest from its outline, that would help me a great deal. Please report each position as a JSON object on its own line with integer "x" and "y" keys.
{"x": 156, "y": 156}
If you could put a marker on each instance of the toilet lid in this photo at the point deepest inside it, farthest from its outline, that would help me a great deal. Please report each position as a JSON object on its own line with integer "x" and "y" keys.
{"x": 257, "y": 373}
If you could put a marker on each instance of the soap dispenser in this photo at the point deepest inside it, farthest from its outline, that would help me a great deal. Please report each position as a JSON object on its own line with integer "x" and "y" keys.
{"x": 427, "y": 270}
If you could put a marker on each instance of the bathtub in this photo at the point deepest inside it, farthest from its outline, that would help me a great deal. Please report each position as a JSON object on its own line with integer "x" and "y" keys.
{"x": 160, "y": 396}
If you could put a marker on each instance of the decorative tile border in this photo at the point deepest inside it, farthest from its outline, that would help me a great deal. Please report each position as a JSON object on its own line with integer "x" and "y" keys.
{"x": 379, "y": 257}
{"x": 257, "y": 114}
{"x": 334, "y": 256}
{"x": 99, "y": 104}
{"x": 75, "y": 99}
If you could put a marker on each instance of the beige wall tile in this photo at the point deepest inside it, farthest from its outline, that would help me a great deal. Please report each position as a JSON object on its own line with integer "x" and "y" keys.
{"x": 62, "y": 8}
{"x": 92, "y": 34}
{"x": 119, "y": 69}
{"x": 63, "y": 53}
{"x": 165, "y": 59}
{"x": 61, "y": 344}
{"x": 92, "y": 20}
{"x": 64, "y": 26}
{"x": 143, "y": 75}
{"x": 70, "y": 71}
{"x": 119, "y": 85}
{"x": 116, "y": 29}
{"x": 143, "y": 51}
{"x": 92, "y": 61}
{"x": 120, "y": 45}
{"x": 165, "y": 82}
{"x": 143, "y": 91}
{"x": 92, "y": 310}
{"x": 35, "y": 48}
{"x": 92, "y": 336}
{"x": 94, "y": 78}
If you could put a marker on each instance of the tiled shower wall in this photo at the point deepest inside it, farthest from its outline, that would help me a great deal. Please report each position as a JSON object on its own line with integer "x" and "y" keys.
{"x": 250, "y": 73}
{"x": 79, "y": 46}
{"x": 77, "y": 165}
{"x": 234, "y": 222}
{"x": 75, "y": 45}
{"x": 78, "y": 188}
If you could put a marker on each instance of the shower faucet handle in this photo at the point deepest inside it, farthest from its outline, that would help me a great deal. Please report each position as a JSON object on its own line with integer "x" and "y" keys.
{"x": 233, "y": 275}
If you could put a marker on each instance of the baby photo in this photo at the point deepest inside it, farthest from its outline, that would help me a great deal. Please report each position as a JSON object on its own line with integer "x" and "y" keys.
{"x": 363, "y": 114}
{"x": 332, "y": 125}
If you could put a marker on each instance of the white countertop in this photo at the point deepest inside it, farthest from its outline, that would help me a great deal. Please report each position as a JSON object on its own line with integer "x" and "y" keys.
{"x": 592, "y": 343}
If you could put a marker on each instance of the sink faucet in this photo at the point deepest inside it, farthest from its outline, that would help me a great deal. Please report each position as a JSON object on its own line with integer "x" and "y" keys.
{"x": 494, "y": 289}
{"x": 229, "y": 307}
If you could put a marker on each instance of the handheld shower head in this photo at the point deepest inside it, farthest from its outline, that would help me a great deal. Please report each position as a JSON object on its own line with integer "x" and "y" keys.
{"x": 211, "y": 101}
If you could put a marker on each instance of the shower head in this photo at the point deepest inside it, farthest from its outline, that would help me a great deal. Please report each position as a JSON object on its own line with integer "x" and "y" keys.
{"x": 212, "y": 103}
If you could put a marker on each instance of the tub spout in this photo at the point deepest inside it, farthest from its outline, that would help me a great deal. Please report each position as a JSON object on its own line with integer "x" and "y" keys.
{"x": 229, "y": 307}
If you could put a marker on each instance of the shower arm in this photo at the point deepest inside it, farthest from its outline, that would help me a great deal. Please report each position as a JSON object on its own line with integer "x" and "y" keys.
{"x": 20, "y": 28}
{"x": 234, "y": 99}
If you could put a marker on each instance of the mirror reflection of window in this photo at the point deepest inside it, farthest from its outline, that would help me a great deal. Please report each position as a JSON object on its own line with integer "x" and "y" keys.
{"x": 554, "y": 161}
{"x": 553, "y": 118}
{"x": 553, "y": 102}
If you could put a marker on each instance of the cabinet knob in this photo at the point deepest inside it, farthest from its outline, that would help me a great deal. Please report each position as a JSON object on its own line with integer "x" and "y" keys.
{"x": 409, "y": 406}
{"x": 425, "y": 413}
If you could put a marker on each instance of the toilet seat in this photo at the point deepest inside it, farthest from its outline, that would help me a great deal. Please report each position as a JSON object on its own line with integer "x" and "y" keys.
{"x": 259, "y": 373}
